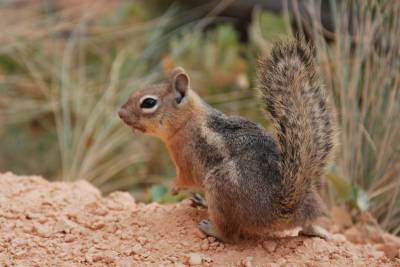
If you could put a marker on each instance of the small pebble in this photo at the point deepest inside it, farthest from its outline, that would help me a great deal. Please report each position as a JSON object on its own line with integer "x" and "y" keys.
{"x": 211, "y": 239}
{"x": 69, "y": 238}
{"x": 269, "y": 245}
{"x": 214, "y": 244}
{"x": 97, "y": 225}
{"x": 339, "y": 238}
{"x": 207, "y": 259}
{"x": 28, "y": 229}
{"x": 292, "y": 244}
{"x": 142, "y": 240}
{"x": 137, "y": 249}
{"x": 198, "y": 233}
{"x": 42, "y": 230}
{"x": 195, "y": 259}
{"x": 172, "y": 259}
{"x": 204, "y": 246}
{"x": 219, "y": 249}
{"x": 354, "y": 235}
{"x": 391, "y": 250}
{"x": 248, "y": 262}
{"x": 42, "y": 219}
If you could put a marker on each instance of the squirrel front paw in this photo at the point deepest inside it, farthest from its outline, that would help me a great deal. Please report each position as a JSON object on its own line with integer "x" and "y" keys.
{"x": 198, "y": 200}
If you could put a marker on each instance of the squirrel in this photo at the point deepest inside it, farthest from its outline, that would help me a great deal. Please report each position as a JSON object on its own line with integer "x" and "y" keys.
{"x": 253, "y": 181}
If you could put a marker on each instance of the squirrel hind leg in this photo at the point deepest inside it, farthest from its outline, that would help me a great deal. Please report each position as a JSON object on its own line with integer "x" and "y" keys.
{"x": 220, "y": 227}
{"x": 313, "y": 230}
{"x": 208, "y": 227}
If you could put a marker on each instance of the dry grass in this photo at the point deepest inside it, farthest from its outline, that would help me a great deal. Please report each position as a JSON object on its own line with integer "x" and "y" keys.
{"x": 72, "y": 66}
{"x": 361, "y": 69}
{"x": 75, "y": 71}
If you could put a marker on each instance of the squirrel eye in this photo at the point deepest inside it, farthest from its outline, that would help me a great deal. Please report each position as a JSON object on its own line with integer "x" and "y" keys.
{"x": 148, "y": 103}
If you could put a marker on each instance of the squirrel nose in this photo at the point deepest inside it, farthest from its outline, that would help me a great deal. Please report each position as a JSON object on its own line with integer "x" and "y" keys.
{"x": 122, "y": 113}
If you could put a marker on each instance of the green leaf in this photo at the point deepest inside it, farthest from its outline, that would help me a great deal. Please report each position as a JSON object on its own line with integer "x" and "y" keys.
{"x": 157, "y": 192}
{"x": 342, "y": 186}
{"x": 360, "y": 198}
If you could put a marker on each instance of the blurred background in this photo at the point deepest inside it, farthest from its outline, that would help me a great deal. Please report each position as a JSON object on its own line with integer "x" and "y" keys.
{"x": 66, "y": 67}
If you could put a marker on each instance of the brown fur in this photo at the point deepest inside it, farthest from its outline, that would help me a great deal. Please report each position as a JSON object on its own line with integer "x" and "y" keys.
{"x": 253, "y": 182}
{"x": 302, "y": 115}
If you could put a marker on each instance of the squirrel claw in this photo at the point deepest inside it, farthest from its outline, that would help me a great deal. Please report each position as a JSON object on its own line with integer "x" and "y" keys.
{"x": 198, "y": 200}
{"x": 315, "y": 231}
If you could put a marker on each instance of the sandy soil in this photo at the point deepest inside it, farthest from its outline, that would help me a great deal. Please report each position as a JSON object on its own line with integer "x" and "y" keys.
{"x": 71, "y": 224}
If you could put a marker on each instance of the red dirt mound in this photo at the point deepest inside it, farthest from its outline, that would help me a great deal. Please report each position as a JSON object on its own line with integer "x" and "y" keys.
{"x": 71, "y": 224}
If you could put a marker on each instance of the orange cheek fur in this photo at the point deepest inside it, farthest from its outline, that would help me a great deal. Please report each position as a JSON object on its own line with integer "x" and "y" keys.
{"x": 173, "y": 132}
{"x": 182, "y": 158}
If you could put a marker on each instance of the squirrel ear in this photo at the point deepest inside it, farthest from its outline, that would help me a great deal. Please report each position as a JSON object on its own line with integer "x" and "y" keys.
{"x": 180, "y": 83}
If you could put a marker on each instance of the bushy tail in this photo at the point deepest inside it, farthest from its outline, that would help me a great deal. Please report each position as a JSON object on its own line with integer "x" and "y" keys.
{"x": 301, "y": 114}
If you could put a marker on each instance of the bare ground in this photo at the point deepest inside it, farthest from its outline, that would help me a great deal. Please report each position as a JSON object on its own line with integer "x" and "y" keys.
{"x": 71, "y": 224}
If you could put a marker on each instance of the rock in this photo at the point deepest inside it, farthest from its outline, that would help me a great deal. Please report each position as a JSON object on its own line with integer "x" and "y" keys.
{"x": 391, "y": 250}
{"x": 142, "y": 240}
{"x": 137, "y": 249}
{"x": 195, "y": 259}
{"x": 377, "y": 253}
{"x": 28, "y": 229}
{"x": 69, "y": 238}
{"x": 198, "y": 233}
{"x": 122, "y": 262}
{"x": 111, "y": 228}
{"x": 354, "y": 235}
{"x": 126, "y": 235}
{"x": 207, "y": 259}
{"x": 339, "y": 238}
{"x": 219, "y": 249}
{"x": 64, "y": 225}
{"x": 292, "y": 244}
{"x": 204, "y": 244}
{"x": 96, "y": 209}
{"x": 183, "y": 232}
{"x": 96, "y": 225}
{"x": 211, "y": 239}
{"x": 248, "y": 262}
{"x": 269, "y": 245}
{"x": 42, "y": 219}
{"x": 172, "y": 259}
{"x": 42, "y": 230}
{"x": 119, "y": 201}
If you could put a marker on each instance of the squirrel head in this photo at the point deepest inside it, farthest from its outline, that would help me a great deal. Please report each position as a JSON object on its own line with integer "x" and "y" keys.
{"x": 161, "y": 109}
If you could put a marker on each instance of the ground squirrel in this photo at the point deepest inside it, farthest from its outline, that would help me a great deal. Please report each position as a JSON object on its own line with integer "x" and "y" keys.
{"x": 253, "y": 181}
